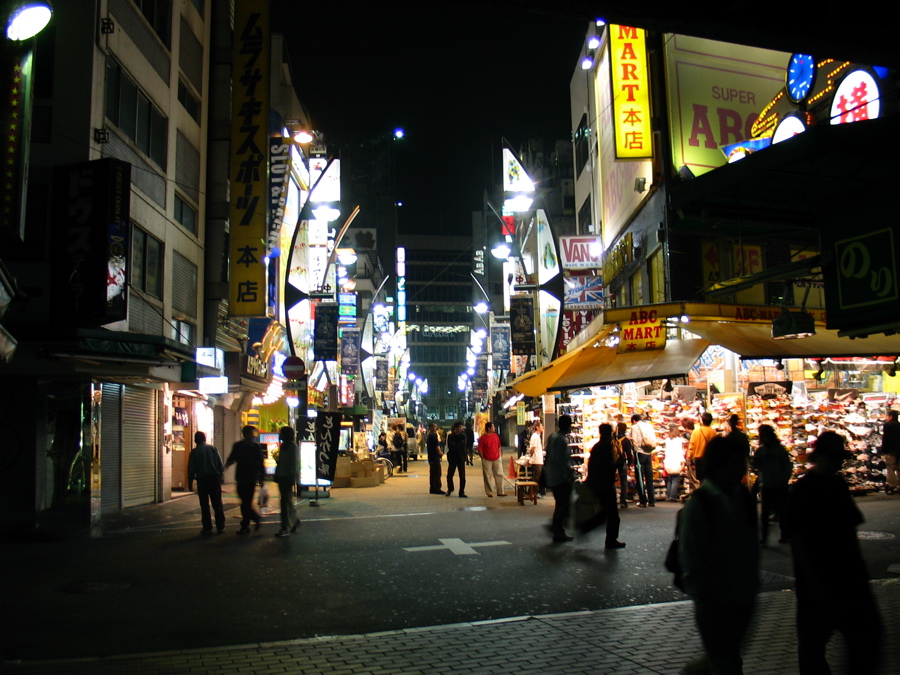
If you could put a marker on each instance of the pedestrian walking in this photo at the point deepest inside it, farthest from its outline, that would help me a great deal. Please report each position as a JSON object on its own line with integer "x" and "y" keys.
{"x": 774, "y": 469}
{"x": 833, "y": 590}
{"x": 719, "y": 557}
{"x": 560, "y": 477}
{"x": 673, "y": 463}
{"x": 603, "y": 465}
{"x": 470, "y": 444}
{"x": 286, "y": 473}
{"x": 700, "y": 437}
{"x": 205, "y": 467}
{"x": 398, "y": 442}
{"x": 491, "y": 465}
{"x": 456, "y": 458}
{"x": 525, "y": 438}
{"x": 433, "y": 448}
{"x": 248, "y": 456}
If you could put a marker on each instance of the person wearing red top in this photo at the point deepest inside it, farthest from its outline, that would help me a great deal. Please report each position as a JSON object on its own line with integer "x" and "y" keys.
{"x": 489, "y": 450}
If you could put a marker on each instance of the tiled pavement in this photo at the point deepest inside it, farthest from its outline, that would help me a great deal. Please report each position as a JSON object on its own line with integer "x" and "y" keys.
{"x": 644, "y": 639}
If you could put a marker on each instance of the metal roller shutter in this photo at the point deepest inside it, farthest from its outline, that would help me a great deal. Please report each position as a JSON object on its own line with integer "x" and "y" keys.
{"x": 139, "y": 447}
{"x": 111, "y": 448}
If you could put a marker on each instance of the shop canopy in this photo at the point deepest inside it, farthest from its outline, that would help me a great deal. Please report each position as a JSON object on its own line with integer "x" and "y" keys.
{"x": 595, "y": 363}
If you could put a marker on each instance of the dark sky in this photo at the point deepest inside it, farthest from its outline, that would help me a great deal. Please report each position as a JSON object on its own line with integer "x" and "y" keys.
{"x": 456, "y": 76}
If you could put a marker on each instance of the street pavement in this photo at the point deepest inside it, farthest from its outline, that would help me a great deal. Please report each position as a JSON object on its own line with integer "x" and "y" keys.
{"x": 647, "y": 638}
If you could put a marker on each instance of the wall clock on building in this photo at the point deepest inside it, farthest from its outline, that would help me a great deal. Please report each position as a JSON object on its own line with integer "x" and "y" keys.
{"x": 801, "y": 74}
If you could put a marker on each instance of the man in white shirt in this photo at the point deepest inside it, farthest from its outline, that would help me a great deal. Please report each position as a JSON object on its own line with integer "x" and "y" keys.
{"x": 536, "y": 455}
{"x": 643, "y": 438}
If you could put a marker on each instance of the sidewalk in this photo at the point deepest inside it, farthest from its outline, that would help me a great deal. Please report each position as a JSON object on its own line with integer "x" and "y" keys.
{"x": 644, "y": 639}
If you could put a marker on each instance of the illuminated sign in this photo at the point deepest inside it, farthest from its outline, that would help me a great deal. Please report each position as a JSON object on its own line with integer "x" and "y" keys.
{"x": 212, "y": 385}
{"x": 644, "y": 331}
{"x": 249, "y": 158}
{"x": 580, "y": 253}
{"x": 515, "y": 178}
{"x": 618, "y": 257}
{"x": 630, "y": 92}
{"x": 857, "y": 99}
{"x": 210, "y": 356}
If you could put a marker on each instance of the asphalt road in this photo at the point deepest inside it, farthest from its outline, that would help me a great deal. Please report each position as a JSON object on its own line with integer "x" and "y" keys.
{"x": 365, "y": 560}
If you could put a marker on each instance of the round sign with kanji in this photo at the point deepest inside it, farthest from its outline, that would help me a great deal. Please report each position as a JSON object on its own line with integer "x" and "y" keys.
{"x": 293, "y": 368}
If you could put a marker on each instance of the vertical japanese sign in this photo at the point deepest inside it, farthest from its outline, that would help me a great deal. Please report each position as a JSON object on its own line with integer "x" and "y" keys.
{"x": 630, "y": 92}
{"x": 325, "y": 335}
{"x": 521, "y": 317}
{"x": 249, "y": 158}
{"x": 328, "y": 433}
{"x": 91, "y": 216}
{"x": 381, "y": 375}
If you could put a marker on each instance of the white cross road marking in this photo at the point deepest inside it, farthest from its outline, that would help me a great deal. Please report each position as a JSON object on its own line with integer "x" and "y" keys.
{"x": 457, "y": 546}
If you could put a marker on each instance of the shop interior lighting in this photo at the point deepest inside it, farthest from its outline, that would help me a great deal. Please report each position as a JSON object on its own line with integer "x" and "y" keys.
{"x": 27, "y": 19}
{"x": 779, "y": 365}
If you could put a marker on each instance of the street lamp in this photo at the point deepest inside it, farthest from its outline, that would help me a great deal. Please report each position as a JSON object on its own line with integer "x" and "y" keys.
{"x": 27, "y": 19}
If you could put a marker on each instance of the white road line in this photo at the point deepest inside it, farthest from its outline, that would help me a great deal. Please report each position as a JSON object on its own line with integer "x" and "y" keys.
{"x": 457, "y": 546}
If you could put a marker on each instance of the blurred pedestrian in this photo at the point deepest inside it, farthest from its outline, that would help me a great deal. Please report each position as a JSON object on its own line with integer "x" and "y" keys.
{"x": 248, "y": 456}
{"x": 736, "y": 434}
{"x": 433, "y": 448}
{"x": 833, "y": 590}
{"x": 286, "y": 474}
{"x": 525, "y": 438}
{"x": 700, "y": 436}
{"x": 890, "y": 451}
{"x": 205, "y": 466}
{"x": 456, "y": 458}
{"x": 628, "y": 454}
{"x": 536, "y": 456}
{"x": 643, "y": 439}
{"x": 398, "y": 443}
{"x": 719, "y": 557}
{"x": 673, "y": 463}
{"x": 560, "y": 477}
{"x": 774, "y": 469}
{"x": 603, "y": 465}
{"x": 470, "y": 444}
{"x": 491, "y": 465}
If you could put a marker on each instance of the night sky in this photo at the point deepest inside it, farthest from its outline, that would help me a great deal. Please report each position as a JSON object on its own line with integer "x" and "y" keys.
{"x": 457, "y": 77}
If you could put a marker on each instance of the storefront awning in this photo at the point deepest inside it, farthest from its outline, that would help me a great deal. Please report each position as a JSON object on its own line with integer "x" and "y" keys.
{"x": 604, "y": 366}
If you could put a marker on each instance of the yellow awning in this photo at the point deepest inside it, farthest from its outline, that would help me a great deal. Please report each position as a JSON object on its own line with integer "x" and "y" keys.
{"x": 602, "y": 365}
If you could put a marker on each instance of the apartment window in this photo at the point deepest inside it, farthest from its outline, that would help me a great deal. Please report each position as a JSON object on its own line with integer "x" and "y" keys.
{"x": 636, "y": 290}
{"x": 585, "y": 226}
{"x": 134, "y": 114}
{"x": 183, "y": 332}
{"x": 146, "y": 263}
{"x": 159, "y": 15}
{"x": 190, "y": 102}
{"x": 657, "y": 277}
{"x": 582, "y": 136}
{"x": 185, "y": 215}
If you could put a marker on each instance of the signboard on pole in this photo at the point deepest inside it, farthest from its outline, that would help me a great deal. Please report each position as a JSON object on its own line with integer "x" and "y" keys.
{"x": 328, "y": 433}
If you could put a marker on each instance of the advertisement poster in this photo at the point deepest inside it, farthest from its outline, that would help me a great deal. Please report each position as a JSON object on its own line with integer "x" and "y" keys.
{"x": 381, "y": 374}
{"x": 580, "y": 252}
{"x": 583, "y": 293}
{"x": 328, "y": 427}
{"x": 350, "y": 351}
{"x": 500, "y": 346}
{"x": 521, "y": 317}
{"x": 325, "y": 337}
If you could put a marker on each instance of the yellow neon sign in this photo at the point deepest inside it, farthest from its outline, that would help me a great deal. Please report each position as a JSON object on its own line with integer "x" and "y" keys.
{"x": 630, "y": 92}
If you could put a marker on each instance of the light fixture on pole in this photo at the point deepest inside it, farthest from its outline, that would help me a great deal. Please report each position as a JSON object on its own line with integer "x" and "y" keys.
{"x": 27, "y": 19}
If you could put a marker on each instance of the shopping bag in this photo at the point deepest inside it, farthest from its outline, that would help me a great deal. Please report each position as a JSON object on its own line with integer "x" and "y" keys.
{"x": 586, "y": 505}
{"x": 263, "y": 499}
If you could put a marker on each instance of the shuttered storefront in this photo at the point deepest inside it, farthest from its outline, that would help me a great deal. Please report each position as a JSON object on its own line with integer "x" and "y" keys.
{"x": 111, "y": 448}
{"x": 139, "y": 446}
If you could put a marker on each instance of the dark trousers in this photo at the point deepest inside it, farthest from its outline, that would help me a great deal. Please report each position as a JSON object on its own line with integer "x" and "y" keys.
{"x": 400, "y": 460}
{"x": 774, "y": 500}
{"x": 722, "y": 627}
{"x": 562, "y": 495}
{"x": 209, "y": 491}
{"x": 608, "y": 512}
{"x": 537, "y": 473}
{"x": 855, "y": 616}
{"x": 452, "y": 466}
{"x": 623, "y": 484}
{"x": 286, "y": 492}
{"x": 248, "y": 513}
{"x": 434, "y": 475}
{"x": 645, "y": 480}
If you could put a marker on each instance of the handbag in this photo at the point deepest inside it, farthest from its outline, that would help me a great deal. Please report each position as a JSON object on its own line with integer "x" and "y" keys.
{"x": 263, "y": 499}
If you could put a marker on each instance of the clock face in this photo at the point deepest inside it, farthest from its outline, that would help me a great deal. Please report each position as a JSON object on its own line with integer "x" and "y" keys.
{"x": 801, "y": 73}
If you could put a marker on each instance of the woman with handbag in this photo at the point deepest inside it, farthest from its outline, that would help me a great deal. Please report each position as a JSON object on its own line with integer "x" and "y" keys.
{"x": 603, "y": 465}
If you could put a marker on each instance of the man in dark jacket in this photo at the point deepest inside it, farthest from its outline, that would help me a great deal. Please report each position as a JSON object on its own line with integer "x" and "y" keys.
{"x": 433, "y": 446}
{"x": 248, "y": 456}
{"x": 890, "y": 451}
{"x": 456, "y": 458}
{"x": 205, "y": 466}
{"x": 560, "y": 477}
